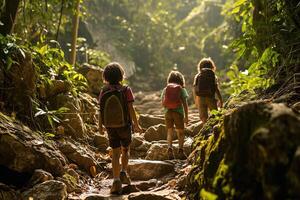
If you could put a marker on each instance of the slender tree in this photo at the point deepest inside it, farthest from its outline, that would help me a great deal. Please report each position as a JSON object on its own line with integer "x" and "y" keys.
{"x": 75, "y": 33}
{"x": 8, "y": 16}
{"x": 60, "y": 18}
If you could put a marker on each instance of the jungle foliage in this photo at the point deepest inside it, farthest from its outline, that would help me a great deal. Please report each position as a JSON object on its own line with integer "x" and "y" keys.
{"x": 266, "y": 45}
{"x": 256, "y": 43}
{"x": 161, "y": 35}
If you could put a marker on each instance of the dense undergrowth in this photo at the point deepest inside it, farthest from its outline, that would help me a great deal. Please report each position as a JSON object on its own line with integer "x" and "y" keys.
{"x": 30, "y": 75}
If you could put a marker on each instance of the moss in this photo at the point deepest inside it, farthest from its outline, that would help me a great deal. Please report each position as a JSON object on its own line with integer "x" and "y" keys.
{"x": 251, "y": 155}
{"x": 205, "y": 195}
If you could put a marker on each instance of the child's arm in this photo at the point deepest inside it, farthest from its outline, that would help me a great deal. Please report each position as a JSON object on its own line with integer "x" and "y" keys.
{"x": 133, "y": 117}
{"x": 186, "y": 110}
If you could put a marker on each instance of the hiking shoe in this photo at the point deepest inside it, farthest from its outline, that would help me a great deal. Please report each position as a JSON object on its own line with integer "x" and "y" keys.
{"x": 170, "y": 154}
{"x": 125, "y": 178}
{"x": 116, "y": 187}
{"x": 181, "y": 154}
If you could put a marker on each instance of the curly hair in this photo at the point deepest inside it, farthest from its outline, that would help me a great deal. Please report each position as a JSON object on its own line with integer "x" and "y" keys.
{"x": 207, "y": 63}
{"x": 113, "y": 73}
{"x": 177, "y": 78}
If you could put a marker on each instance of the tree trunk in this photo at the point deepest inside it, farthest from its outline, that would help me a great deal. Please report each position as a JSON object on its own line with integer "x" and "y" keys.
{"x": 8, "y": 16}
{"x": 75, "y": 33}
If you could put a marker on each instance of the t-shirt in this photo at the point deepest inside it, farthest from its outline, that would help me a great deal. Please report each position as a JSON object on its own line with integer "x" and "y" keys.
{"x": 128, "y": 92}
{"x": 183, "y": 94}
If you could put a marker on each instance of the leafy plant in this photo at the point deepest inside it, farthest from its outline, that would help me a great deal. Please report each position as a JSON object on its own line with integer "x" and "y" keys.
{"x": 52, "y": 116}
{"x": 255, "y": 77}
{"x": 8, "y": 51}
{"x": 51, "y": 65}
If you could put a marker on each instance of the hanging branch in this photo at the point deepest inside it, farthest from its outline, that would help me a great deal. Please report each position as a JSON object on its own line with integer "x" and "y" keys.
{"x": 60, "y": 18}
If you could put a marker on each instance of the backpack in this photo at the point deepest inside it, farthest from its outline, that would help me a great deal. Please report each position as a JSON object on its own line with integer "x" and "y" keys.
{"x": 205, "y": 83}
{"x": 172, "y": 97}
{"x": 114, "y": 107}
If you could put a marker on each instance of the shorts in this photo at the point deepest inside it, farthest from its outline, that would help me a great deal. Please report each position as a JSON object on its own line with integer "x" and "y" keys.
{"x": 174, "y": 118}
{"x": 206, "y": 103}
{"x": 119, "y": 136}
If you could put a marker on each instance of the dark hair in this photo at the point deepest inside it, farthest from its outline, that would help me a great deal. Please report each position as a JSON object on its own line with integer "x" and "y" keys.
{"x": 176, "y": 77}
{"x": 113, "y": 73}
{"x": 207, "y": 63}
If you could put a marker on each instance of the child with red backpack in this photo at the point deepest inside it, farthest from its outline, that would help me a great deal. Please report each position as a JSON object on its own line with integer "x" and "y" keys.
{"x": 118, "y": 116}
{"x": 205, "y": 88}
{"x": 174, "y": 99}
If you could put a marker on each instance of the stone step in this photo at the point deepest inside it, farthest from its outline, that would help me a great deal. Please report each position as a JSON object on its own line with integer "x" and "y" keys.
{"x": 149, "y": 169}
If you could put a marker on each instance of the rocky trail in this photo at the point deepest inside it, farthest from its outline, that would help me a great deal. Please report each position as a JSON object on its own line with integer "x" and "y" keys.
{"x": 75, "y": 164}
{"x": 234, "y": 156}
{"x": 153, "y": 175}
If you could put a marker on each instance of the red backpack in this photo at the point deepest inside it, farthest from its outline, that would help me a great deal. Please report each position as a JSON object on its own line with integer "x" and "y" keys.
{"x": 172, "y": 97}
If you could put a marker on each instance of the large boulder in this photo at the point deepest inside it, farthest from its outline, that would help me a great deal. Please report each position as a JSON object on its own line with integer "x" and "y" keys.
{"x": 155, "y": 133}
{"x": 253, "y": 156}
{"x": 146, "y": 169}
{"x": 147, "y": 121}
{"x": 78, "y": 154}
{"x": 49, "y": 190}
{"x": 23, "y": 150}
{"x": 159, "y": 150}
{"x": 93, "y": 75}
{"x": 72, "y": 121}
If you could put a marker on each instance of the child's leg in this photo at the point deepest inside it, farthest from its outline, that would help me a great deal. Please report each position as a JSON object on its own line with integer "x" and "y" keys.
{"x": 116, "y": 162}
{"x": 125, "y": 158}
{"x": 212, "y": 104}
{"x": 170, "y": 137}
{"x": 203, "y": 109}
{"x": 180, "y": 135}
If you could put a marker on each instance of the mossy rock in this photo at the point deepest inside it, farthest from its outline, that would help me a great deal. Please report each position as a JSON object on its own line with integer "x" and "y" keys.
{"x": 253, "y": 157}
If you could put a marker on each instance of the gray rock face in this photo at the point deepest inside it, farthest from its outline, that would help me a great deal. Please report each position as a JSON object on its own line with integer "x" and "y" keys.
{"x": 49, "y": 190}
{"x": 23, "y": 150}
{"x": 146, "y": 169}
